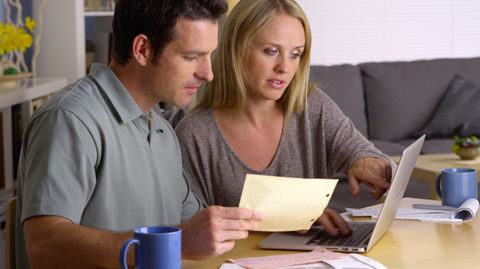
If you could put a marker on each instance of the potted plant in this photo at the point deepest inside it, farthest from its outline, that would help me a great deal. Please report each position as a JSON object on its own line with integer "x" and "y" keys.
{"x": 466, "y": 147}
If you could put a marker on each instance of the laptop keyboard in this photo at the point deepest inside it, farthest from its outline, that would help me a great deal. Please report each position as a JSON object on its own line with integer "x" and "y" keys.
{"x": 360, "y": 232}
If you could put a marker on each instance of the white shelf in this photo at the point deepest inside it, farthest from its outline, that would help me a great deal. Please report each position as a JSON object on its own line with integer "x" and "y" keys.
{"x": 28, "y": 89}
{"x": 23, "y": 92}
{"x": 98, "y": 13}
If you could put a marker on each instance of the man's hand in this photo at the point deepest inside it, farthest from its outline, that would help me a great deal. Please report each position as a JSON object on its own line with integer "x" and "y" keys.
{"x": 372, "y": 171}
{"x": 332, "y": 222}
{"x": 214, "y": 230}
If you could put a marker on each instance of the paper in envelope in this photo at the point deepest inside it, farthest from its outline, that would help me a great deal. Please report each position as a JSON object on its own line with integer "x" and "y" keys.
{"x": 287, "y": 204}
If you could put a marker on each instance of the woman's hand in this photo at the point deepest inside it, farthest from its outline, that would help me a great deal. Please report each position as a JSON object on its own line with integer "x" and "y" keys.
{"x": 333, "y": 223}
{"x": 375, "y": 172}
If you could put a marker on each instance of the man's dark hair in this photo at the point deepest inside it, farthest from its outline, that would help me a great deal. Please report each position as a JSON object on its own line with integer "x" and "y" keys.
{"x": 156, "y": 19}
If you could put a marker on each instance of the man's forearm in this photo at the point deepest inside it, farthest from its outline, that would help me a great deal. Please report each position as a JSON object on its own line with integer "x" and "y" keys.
{"x": 56, "y": 242}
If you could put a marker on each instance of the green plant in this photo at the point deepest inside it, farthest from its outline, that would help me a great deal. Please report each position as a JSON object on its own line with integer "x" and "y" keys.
{"x": 465, "y": 142}
{"x": 10, "y": 71}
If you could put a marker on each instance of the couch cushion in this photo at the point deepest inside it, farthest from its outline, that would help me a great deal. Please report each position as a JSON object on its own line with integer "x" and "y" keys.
{"x": 458, "y": 113}
{"x": 389, "y": 148}
{"x": 343, "y": 83}
{"x": 432, "y": 146}
{"x": 402, "y": 96}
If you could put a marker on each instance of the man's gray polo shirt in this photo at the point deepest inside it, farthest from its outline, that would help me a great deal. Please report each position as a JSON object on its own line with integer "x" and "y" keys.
{"x": 89, "y": 156}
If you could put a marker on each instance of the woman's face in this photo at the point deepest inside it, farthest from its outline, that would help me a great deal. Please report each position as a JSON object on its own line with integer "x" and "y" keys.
{"x": 273, "y": 58}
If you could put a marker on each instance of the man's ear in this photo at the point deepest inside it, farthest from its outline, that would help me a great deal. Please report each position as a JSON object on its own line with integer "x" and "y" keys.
{"x": 141, "y": 49}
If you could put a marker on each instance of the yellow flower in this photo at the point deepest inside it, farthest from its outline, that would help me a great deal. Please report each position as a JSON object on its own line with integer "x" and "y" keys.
{"x": 24, "y": 41}
{"x": 12, "y": 38}
{"x": 29, "y": 23}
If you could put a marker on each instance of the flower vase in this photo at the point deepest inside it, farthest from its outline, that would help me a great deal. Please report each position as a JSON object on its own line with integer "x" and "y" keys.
{"x": 10, "y": 80}
{"x": 468, "y": 153}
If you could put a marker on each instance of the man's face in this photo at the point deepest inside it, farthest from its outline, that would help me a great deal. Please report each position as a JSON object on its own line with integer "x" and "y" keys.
{"x": 177, "y": 73}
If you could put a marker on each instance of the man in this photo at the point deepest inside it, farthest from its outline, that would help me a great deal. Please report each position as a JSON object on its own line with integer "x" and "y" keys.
{"x": 97, "y": 163}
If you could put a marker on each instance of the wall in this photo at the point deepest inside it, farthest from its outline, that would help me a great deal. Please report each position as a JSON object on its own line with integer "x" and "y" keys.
{"x": 352, "y": 31}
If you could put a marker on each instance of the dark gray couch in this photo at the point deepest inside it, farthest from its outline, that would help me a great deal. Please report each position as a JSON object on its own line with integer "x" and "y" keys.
{"x": 389, "y": 101}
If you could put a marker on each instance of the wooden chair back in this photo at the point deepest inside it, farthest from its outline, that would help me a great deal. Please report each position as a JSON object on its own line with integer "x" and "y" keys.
{"x": 10, "y": 234}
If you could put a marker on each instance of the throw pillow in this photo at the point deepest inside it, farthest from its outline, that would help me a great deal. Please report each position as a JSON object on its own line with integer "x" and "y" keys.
{"x": 458, "y": 113}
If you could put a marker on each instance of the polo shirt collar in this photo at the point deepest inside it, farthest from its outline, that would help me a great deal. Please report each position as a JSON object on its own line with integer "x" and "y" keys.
{"x": 122, "y": 101}
{"x": 157, "y": 124}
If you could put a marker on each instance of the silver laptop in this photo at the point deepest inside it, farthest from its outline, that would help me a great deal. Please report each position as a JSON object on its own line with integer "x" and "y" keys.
{"x": 365, "y": 234}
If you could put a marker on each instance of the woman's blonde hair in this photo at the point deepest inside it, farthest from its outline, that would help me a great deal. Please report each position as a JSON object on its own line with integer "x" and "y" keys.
{"x": 246, "y": 20}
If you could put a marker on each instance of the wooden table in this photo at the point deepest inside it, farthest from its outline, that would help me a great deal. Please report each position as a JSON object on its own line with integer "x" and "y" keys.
{"x": 408, "y": 244}
{"x": 429, "y": 166}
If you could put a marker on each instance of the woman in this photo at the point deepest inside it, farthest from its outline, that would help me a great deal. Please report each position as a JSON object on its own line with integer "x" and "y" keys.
{"x": 260, "y": 116}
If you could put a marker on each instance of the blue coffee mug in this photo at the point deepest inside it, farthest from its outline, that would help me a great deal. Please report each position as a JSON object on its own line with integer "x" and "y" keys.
{"x": 156, "y": 247}
{"x": 456, "y": 185}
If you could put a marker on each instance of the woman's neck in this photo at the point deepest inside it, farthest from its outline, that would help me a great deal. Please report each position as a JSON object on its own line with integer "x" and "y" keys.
{"x": 255, "y": 114}
{"x": 253, "y": 133}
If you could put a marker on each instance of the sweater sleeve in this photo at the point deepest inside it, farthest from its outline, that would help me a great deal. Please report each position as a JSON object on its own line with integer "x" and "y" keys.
{"x": 343, "y": 142}
{"x": 192, "y": 144}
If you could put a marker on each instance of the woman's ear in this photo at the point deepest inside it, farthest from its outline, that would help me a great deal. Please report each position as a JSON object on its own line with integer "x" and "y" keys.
{"x": 141, "y": 49}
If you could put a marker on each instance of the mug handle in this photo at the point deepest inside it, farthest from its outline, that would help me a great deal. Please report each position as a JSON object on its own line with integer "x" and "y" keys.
{"x": 437, "y": 185}
{"x": 123, "y": 252}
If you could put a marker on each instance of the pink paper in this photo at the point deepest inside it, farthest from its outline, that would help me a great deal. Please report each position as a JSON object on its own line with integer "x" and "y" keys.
{"x": 319, "y": 254}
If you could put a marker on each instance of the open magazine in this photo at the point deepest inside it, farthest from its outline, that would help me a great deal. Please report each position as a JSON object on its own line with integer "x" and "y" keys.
{"x": 467, "y": 210}
{"x": 431, "y": 213}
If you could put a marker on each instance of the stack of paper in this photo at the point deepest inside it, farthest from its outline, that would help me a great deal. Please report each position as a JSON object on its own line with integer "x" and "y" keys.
{"x": 432, "y": 213}
{"x": 317, "y": 258}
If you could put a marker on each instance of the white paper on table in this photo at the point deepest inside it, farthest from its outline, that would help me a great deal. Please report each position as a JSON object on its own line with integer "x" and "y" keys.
{"x": 287, "y": 204}
{"x": 356, "y": 261}
{"x": 309, "y": 266}
{"x": 374, "y": 212}
{"x": 464, "y": 213}
{"x": 406, "y": 214}
{"x": 318, "y": 254}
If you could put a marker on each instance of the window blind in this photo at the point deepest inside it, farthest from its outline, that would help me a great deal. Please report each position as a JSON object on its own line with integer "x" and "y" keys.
{"x": 353, "y": 31}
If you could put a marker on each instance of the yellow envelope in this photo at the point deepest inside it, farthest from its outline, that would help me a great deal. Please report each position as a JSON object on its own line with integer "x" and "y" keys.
{"x": 287, "y": 204}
